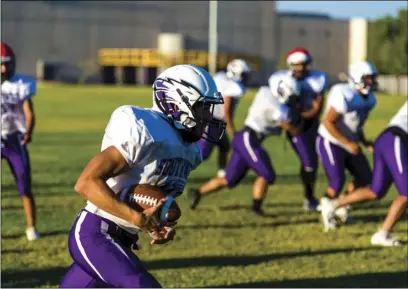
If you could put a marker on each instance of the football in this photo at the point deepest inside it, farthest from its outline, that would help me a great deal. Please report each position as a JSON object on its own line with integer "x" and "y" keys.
{"x": 141, "y": 197}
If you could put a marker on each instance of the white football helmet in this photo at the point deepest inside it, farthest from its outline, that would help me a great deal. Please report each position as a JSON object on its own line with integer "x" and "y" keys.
{"x": 178, "y": 89}
{"x": 357, "y": 76}
{"x": 285, "y": 88}
{"x": 238, "y": 70}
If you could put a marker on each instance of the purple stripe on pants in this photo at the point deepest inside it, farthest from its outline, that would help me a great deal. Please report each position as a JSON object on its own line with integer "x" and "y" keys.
{"x": 17, "y": 157}
{"x": 390, "y": 164}
{"x": 101, "y": 261}
{"x": 248, "y": 154}
{"x": 335, "y": 160}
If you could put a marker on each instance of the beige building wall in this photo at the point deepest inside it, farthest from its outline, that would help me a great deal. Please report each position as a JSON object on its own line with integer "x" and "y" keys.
{"x": 73, "y": 31}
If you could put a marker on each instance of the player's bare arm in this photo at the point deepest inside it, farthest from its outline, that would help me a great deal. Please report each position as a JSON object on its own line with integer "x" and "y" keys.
{"x": 330, "y": 122}
{"x": 316, "y": 108}
{"x": 28, "y": 109}
{"x": 91, "y": 184}
{"x": 228, "y": 115}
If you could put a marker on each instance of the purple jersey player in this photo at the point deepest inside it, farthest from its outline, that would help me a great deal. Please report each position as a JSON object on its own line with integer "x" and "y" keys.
{"x": 390, "y": 165}
{"x": 158, "y": 147}
{"x": 348, "y": 107}
{"x": 17, "y": 125}
{"x": 313, "y": 86}
{"x": 231, "y": 85}
{"x": 269, "y": 113}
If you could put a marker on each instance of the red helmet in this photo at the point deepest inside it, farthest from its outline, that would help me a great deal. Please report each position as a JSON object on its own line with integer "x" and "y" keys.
{"x": 8, "y": 58}
{"x": 299, "y": 55}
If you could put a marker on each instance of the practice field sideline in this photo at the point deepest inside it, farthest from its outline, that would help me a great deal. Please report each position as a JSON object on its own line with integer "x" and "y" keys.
{"x": 221, "y": 243}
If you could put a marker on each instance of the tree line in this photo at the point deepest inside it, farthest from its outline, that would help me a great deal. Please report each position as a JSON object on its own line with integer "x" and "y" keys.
{"x": 387, "y": 44}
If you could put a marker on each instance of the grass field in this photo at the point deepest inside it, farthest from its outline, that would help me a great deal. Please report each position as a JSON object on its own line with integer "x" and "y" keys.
{"x": 221, "y": 244}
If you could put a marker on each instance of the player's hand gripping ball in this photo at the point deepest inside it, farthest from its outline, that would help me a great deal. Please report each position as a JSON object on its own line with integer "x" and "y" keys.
{"x": 141, "y": 197}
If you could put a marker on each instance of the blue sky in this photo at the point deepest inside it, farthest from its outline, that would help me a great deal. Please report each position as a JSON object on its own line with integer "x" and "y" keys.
{"x": 344, "y": 9}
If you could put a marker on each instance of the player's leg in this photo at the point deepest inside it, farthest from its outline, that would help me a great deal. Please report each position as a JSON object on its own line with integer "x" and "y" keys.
{"x": 256, "y": 158}
{"x": 76, "y": 277}
{"x": 102, "y": 256}
{"x": 395, "y": 155}
{"x": 223, "y": 150}
{"x": 333, "y": 161}
{"x": 304, "y": 146}
{"x": 19, "y": 161}
{"x": 235, "y": 171}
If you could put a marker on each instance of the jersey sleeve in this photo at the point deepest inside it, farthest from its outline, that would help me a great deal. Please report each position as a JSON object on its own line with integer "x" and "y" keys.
{"x": 337, "y": 100}
{"x": 27, "y": 87}
{"x": 129, "y": 136}
{"x": 321, "y": 83}
{"x": 233, "y": 89}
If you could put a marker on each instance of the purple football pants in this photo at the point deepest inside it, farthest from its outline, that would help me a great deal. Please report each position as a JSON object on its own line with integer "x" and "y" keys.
{"x": 18, "y": 159}
{"x": 100, "y": 261}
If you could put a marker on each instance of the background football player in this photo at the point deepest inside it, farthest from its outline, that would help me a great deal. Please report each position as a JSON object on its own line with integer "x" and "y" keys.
{"x": 390, "y": 165}
{"x": 313, "y": 87}
{"x": 17, "y": 126}
{"x": 341, "y": 131}
{"x": 269, "y": 113}
{"x": 232, "y": 86}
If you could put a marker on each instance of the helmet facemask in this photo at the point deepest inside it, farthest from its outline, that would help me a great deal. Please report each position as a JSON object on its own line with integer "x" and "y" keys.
{"x": 366, "y": 84}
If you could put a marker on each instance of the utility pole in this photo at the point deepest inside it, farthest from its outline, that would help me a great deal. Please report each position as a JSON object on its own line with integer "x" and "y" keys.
{"x": 212, "y": 37}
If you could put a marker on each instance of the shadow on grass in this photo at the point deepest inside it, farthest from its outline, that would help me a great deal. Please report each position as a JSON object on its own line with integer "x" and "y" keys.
{"x": 249, "y": 225}
{"x": 43, "y": 234}
{"x": 53, "y": 276}
{"x": 284, "y": 179}
{"x": 366, "y": 280}
{"x": 219, "y": 261}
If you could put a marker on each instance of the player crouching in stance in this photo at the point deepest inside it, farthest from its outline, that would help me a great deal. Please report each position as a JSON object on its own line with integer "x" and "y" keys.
{"x": 390, "y": 164}
{"x": 269, "y": 112}
{"x": 348, "y": 106}
{"x": 156, "y": 146}
{"x": 17, "y": 125}
{"x": 313, "y": 87}
{"x": 231, "y": 85}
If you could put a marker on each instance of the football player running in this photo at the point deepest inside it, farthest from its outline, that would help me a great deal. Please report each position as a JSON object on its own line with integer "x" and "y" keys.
{"x": 269, "y": 113}
{"x": 139, "y": 147}
{"x": 313, "y": 87}
{"x": 232, "y": 86}
{"x": 17, "y": 126}
{"x": 390, "y": 165}
{"x": 341, "y": 131}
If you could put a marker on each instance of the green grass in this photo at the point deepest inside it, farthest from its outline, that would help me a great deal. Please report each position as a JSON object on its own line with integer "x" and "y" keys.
{"x": 220, "y": 244}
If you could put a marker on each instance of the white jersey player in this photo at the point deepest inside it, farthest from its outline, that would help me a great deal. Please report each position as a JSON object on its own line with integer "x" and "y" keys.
{"x": 313, "y": 86}
{"x": 231, "y": 84}
{"x": 155, "y": 146}
{"x": 347, "y": 109}
{"x": 17, "y": 126}
{"x": 269, "y": 112}
{"x": 390, "y": 166}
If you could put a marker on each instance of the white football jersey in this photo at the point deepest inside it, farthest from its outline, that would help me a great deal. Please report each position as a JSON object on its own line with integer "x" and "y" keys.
{"x": 400, "y": 119}
{"x": 154, "y": 150}
{"x": 312, "y": 85}
{"x": 228, "y": 87}
{"x": 266, "y": 113}
{"x": 354, "y": 110}
{"x": 13, "y": 93}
